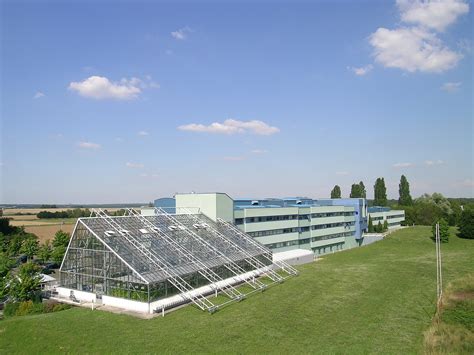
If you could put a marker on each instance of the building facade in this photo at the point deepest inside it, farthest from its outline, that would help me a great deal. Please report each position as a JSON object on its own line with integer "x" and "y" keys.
{"x": 282, "y": 224}
{"x": 394, "y": 218}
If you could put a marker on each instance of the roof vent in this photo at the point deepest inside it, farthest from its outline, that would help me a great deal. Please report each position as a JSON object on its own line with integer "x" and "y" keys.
{"x": 255, "y": 203}
{"x": 144, "y": 231}
{"x": 109, "y": 233}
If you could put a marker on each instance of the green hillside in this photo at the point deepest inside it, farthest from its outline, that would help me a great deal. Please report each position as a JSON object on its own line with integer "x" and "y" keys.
{"x": 374, "y": 299}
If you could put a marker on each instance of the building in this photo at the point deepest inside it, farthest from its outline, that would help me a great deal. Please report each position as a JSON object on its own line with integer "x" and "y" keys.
{"x": 394, "y": 218}
{"x": 150, "y": 263}
{"x": 281, "y": 224}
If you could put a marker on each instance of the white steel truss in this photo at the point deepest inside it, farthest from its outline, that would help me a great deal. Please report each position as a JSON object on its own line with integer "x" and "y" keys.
{"x": 229, "y": 263}
{"x": 204, "y": 270}
{"x": 254, "y": 262}
{"x": 284, "y": 266}
{"x": 176, "y": 280}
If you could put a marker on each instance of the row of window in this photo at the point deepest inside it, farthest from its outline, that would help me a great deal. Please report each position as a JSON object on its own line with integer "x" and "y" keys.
{"x": 298, "y": 229}
{"x": 290, "y": 217}
{"x": 333, "y": 225}
{"x": 307, "y": 240}
{"x": 396, "y": 216}
{"x": 273, "y": 232}
{"x": 332, "y": 236}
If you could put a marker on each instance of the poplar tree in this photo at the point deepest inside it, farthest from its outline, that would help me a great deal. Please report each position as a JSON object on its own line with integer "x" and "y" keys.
{"x": 380, "y": 192}
{"x": 336, "y": 192}
{"x": 404, "y": 192}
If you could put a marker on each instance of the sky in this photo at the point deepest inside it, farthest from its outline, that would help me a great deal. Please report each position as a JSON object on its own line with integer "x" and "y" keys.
{"x": 116, "y": 102}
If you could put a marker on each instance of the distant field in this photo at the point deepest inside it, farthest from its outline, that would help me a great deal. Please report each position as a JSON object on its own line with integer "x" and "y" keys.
{"x": 47, "y": 232}
{"x": 378, "y": 299}
{"x": 44, "y": 228}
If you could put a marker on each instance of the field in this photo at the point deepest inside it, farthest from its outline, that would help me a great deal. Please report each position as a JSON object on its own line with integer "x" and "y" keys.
{"x": 43, "y": 228}
{"x": 375, "y": 299}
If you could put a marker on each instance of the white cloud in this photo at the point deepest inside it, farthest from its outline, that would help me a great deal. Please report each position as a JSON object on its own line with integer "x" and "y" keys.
{"x": 433, "y": 162}
{"x": 231, "y": 126}
{"x": 403, "y": 165}
{"x": 259, "y": 151}
{"x": 119, "y": 139}
{"x": 451, "y": 87}
{"x": 181, "y": 34}
{"x": 412, "y": 49}
{"x": 143, "y": 133}
{"x": 100, "y": 88}
{"x": 88, "y": 145}
{"x": 342, "y": 173}
{"x": 435, "y": 14}
{"x": 134, "y": 165}
{"x": 38, "y": 95}
{"x": 361, "y": 71}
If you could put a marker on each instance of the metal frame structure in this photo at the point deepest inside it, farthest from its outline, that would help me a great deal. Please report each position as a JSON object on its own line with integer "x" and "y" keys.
{"x": 148, "y": 258}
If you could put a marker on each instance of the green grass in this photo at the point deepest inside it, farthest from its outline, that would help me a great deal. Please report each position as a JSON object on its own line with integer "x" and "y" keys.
{"x": 452, "y": 331}
{"x": 375, "y": 299}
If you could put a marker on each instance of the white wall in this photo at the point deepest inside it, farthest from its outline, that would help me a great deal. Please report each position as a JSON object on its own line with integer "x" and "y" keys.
{"x": 123, "y": 303}
{"x": 81, "y": 296}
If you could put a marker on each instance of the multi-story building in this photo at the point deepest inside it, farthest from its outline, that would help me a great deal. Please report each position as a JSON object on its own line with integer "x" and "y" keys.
{"x": 394, "y": 218}
{"x": 322, "y": 226}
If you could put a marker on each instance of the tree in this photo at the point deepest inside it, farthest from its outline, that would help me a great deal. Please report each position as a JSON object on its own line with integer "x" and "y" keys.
{"x": 404, "y": 192}
{"x": 443, "y": 230}
{"x": 25, "y": 285}
{"x": 466, "y": 224}
{"x": 29, "y": 247}
{"x": 380, "y": 192}
{"x": 358, "y": 190}
{"x": 336, "y": 192}
{"x": 371, "y": 225}
{"x": 6, "y": 264}
{"x": 58, "y": 254}
{"x": 44, "y": 252}
{"x": 385, "y": 226}
{"x": 363, "y": 192}
{"x": 61, "y": 238}
{"x": 378, "y": 228}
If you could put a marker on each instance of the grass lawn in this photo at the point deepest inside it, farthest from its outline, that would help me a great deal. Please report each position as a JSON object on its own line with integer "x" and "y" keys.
{"x": 375, "y": 299}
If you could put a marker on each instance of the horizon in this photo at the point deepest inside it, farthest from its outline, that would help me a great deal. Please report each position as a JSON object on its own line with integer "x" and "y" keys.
{"x": 106, "y": 104}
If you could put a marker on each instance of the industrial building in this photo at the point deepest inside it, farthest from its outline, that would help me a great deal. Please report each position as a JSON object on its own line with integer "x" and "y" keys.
{"x": 281, "y": 224}
{"x": 394, "y": 218}
{"x": 151, "y": 263}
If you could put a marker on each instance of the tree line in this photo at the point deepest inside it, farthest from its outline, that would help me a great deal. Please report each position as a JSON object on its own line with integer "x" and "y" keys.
{"x": 424, "y": 210}
{"x": 75, "y": 213}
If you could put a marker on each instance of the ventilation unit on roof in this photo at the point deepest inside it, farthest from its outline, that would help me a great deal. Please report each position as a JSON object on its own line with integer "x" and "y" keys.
{"x": 109, "y": 233}
{"x": 143, "y": 231}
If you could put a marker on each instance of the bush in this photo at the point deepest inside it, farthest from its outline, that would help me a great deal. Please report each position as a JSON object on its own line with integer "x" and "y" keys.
{"x": 443, "y": 230}
{"x": 466, "y": 224}
{"x": 10, "y": 309}
{"x": 30, "y": 307}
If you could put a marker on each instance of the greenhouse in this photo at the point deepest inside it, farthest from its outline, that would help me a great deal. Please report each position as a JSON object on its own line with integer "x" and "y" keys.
{"x": 149, "y": 263}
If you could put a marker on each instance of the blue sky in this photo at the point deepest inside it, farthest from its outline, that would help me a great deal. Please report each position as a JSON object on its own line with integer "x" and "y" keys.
{"x": 124, "y": 102}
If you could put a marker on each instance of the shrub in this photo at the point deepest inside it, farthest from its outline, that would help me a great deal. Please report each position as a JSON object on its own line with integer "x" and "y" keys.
{"x": 466, "y": 224}
{"x": 10, "y": 309}
{"x": 443, "y": 230}
{"x": 24, "y": 308}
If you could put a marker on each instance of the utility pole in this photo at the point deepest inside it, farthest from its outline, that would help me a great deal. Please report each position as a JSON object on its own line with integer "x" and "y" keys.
{"x": 439, "y": 275}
